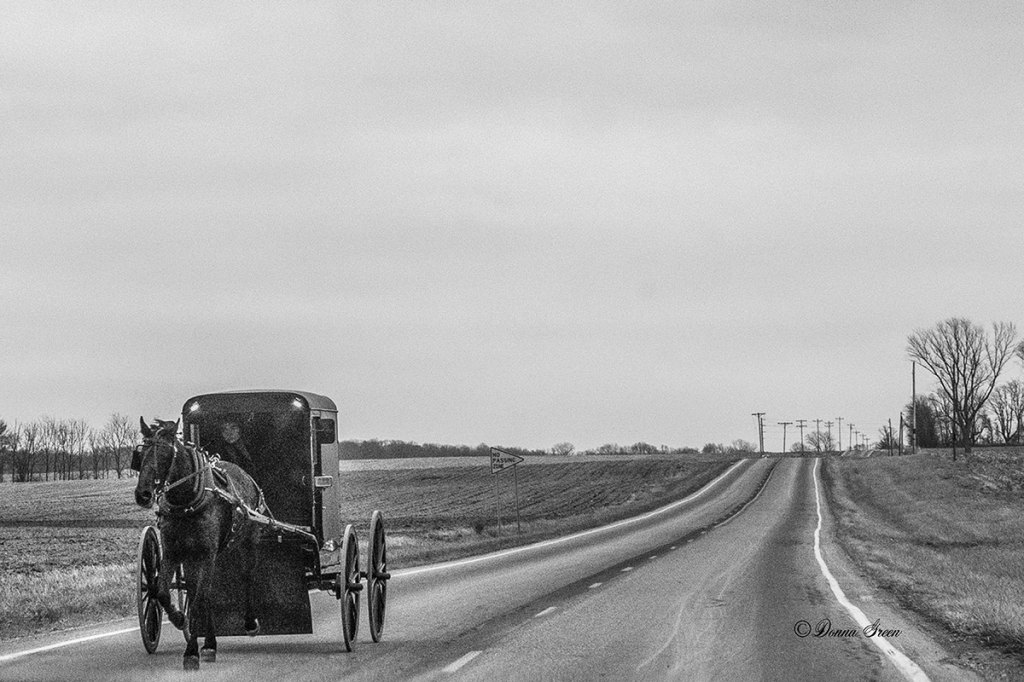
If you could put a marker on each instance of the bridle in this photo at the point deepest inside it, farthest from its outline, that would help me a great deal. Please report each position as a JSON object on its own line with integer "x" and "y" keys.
{"x": 201, "y": 465}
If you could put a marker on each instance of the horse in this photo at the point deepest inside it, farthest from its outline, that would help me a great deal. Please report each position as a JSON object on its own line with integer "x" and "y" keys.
{"x": 202, "y": 508}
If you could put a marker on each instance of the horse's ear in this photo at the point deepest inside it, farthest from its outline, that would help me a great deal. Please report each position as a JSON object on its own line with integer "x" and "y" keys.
{"x": 144, "y": 428}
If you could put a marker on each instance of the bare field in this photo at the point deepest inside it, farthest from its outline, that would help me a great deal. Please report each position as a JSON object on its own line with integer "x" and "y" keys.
{"x": 945, "y": 538}
{"x": 67, "y": 548}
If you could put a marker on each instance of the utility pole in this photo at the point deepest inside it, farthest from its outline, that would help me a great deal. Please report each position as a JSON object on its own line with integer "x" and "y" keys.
{"x": 851, "y": 434}
{"x": 784, "y": 425}
{"x": 901, "y": 433}
{"x": 760, "y": 431}
{"x": 829, "y": 425}
{"x": 800, "y": 425}
{"x": 840, "y": 419}
{"x": 913, "y": 427}
{"x": 817, "y": 431}
{"x": 890, "y": 437}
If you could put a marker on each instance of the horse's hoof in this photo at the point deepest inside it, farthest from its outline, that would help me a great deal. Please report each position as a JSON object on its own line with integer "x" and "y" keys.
{"x": 252, "y": 629}
{"x": 191, "y": 663}
{"x": 208, "y": 655}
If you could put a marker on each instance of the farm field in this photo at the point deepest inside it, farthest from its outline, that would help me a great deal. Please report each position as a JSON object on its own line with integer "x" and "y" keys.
{"x": 945, "y": 538}
{"x": 67, "y": 548}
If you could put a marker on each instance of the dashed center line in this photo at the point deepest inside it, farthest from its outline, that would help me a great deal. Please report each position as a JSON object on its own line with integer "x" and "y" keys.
{"x": 627, "y": 568}
{"x": 653, "y": 556}
{"x": 545, "y": 611}
{"x": 454, "y": 666}
{"x": 595, "y": 586}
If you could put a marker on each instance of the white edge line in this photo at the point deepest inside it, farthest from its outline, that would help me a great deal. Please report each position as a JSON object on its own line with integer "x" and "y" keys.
{"x": 568, "y": 538}
{"x": 749, "y": 502}
{"x": 452, "y": 667}
{"x": 57, "y": 645}
{"x": 910, "y": 670}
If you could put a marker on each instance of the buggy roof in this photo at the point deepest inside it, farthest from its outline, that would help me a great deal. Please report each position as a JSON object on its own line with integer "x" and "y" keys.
{"x": 315, "y": 401}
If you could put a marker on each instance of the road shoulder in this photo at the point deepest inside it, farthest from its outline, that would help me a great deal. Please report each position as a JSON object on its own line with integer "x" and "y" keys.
{"x": 944, "y": 656}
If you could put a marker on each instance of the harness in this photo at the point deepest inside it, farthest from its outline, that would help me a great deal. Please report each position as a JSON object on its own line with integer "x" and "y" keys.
{"x": 214, "y": 483}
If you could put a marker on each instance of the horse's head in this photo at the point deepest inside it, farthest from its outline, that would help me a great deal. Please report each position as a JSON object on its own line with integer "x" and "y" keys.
{"x": 153, "y": 458}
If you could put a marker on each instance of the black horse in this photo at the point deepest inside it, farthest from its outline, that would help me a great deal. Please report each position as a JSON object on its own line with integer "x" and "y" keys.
{"x": 201, "y": 510}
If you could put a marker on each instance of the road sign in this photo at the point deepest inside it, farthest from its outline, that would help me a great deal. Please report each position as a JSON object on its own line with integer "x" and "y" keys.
{"x": 501, "y": 460}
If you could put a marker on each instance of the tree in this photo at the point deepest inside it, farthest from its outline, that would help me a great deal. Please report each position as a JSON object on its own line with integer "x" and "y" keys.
{"x": 563, "y": 449}
{"x": 927, "y": 422}
{"x": 5, "y": 439}
{"x": 25, "y": 450}
{"x": 820, "y": 441}
{"x": 967, "y": 363}
{"x": 1007, "y": 411}
{"x": 642, "y": 448}
{"x": 740, "y": 446}
{"x": 888, "y": 439}
{"x": 122, "y": 433}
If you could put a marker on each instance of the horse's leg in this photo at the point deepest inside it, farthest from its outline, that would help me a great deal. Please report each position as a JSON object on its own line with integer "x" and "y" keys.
{"x": 252, "y": 623}
{"x": 209, "y": 650}
{"x": 247, "y": 547}
{"x": 197, "y": 605}
{"x": 163, "y": 594}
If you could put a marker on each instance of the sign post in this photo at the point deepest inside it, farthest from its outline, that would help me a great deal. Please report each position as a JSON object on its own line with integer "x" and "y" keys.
{"x": 501, "y": 460}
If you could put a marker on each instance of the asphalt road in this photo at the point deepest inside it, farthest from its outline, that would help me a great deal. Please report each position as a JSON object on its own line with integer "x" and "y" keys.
{"x": 711, "y": 588}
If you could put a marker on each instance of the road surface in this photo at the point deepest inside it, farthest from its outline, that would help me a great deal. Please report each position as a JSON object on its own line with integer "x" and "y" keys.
{"x": 715, "y": 587}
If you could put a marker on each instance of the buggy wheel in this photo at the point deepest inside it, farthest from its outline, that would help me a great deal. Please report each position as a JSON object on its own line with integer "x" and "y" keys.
{"x": 179, "y": 590}
{"x": 377, "y": 576}
{"x": 349, "y": 587}
{"x": 147, "y": 585}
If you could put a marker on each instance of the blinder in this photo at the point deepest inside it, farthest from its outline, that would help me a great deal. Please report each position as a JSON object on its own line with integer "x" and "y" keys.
{"x": 136, "y": 464}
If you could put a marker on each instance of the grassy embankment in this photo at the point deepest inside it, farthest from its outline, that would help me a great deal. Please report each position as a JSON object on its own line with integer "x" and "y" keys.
{"x": 946, "y": 538}
{"x": 67, "y": 549}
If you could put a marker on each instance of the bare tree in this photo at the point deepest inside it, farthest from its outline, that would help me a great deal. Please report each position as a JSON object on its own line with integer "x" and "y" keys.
{"x": 1007, "y": 410}
{"x": 967, "y": 363}
{"x": 563, "y": 449}
{"x": 5, "y": 445}
{"x": 821, "y": 441}
{"x": 78, "y": 430}
{"x": 122, "y": 433}
{"x": 25, "y": 450}
{"x": 98, "y": 451}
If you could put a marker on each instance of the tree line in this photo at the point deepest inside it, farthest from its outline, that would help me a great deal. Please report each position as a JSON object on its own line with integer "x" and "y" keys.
{"x": 969, "y": 405}
{"x": 65, "y": 449}
{"x": 397, "y": 449}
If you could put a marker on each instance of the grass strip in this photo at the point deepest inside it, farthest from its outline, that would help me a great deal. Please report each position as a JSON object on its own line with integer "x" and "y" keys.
{"x": 940, "y": 536}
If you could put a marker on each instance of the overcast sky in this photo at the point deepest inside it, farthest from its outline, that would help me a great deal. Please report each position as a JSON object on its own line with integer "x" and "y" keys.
{"x": 506, "y": 223}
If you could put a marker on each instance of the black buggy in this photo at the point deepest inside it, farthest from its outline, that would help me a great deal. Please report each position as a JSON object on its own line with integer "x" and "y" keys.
{"x": 287, "y": 441}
